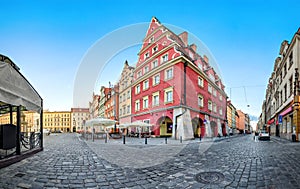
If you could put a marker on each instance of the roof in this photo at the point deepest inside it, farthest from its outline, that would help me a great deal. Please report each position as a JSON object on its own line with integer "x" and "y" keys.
{"x": 15, "y": 88}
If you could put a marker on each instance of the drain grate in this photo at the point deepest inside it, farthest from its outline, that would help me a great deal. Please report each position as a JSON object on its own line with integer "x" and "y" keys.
{"x": 210, "y": 177}
{"x": 19, "y": 175}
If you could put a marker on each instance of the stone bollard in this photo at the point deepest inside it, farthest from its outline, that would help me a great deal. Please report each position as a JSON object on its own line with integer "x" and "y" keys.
{"x": 105, "y": 137}
{"x": 180, "y": 139}
{"x": 166, "y": 140}
{"x": 146, "y": 140}
{"x": 123, "y": 139}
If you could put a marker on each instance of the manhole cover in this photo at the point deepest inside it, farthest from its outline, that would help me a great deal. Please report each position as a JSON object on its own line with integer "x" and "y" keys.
{"x": 210, "y": 177}
{"x": 19, "y": 175}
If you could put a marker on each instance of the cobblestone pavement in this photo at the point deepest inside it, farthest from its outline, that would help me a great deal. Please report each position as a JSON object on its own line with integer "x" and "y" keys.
{"x": 69, "y": 162}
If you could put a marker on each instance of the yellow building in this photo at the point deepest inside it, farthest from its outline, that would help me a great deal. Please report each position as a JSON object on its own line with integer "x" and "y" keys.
{"x": 57, "y": 121}
{"x": 30, "y": 120}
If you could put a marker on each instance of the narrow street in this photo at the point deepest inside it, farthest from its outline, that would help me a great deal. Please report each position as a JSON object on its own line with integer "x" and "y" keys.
{"x": 237, "y": 162}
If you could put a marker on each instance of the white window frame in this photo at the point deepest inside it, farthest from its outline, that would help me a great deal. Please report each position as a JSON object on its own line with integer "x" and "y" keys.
{"x": 146, "y": 69}
{"x": 155, "y": 63}
{"x": 137, "y": 105}
{"x": 166, "y": 73}
{"x": 200, "y": 81}
{"x": 164, "y": 58}
{"x": 214, "y": 92}
{"x": 146, "y": 55}
{"x": 167, "y": 91}
{"x": 209, "y": 88}
{"x": 155, "y": 103}
{"x": 145, "y": 102}
{"x": 137, "y": 89}
{"x": 145, "y": 87}
{"x": 155, "y": 49}
{"x": 209, "y": 105}
{"x": 139, "y": 74}
{"x": 220, "y": 111}
{"x": 215, "y": 107}
{"x": 200, "y": 102}
{"x": 154, "y": 79}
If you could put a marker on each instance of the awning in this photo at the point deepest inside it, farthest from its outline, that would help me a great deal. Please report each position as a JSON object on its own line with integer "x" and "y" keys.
{"x": 270, "y": 121}
{"x": 286, "y": 111}
{"x": 16, "y": 90}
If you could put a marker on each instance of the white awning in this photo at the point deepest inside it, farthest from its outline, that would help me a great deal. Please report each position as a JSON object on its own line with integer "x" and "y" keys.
{"x": 16, "y": 90}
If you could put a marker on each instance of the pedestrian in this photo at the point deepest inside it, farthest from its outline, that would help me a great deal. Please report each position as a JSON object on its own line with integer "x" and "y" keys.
{"x": 256, "y": 136}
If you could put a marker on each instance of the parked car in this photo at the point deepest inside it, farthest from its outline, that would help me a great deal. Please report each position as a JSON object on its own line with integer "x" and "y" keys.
{"x": 263, "y": 135}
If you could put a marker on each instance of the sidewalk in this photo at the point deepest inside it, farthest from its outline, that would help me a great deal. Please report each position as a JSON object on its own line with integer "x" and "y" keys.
{"x": 281, "y": 140}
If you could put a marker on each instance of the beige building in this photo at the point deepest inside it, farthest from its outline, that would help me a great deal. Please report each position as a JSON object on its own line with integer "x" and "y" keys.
{"x": 30, "y": 120}
{"x": 78, "y": 118}
{"x": 94, "y": 106}
{"x": 125, "y": 93}
{"x": 57, "y": 121}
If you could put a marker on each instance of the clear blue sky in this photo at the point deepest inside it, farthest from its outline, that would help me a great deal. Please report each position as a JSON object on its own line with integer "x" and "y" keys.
{"x": 48, "y": 39}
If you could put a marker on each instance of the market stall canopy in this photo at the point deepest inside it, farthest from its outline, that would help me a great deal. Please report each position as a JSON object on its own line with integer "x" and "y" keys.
{"x": 15, "y": 89}
{"x": 100, "y": 121}
{"x": 139, "y": 124}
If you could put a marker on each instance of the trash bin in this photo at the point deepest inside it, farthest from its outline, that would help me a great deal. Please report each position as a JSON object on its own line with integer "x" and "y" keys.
{"x": 293, "y": 137}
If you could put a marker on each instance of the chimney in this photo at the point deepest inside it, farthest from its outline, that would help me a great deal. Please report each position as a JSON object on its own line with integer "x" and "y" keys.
{"x": 194, "y": 47}
{"x": 184, "y": 37}
{"x": 205, "y": 58}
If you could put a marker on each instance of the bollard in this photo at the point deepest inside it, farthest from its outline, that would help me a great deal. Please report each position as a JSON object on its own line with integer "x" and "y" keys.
{"x": 105, "y": 137}
{"x": 180, "y": 139}
{"x": 200, "y": 137}
{"x": 166, "y": 140}
{"x": 123, "y": 139}
{"x": 145, "y": 140}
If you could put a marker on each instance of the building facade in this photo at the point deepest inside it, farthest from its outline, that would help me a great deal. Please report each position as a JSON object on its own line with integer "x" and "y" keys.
{"x": 125, "y": 93}
{"x": 104, "y": 92}
{"x": 112, "y": 103}
{"x": 57, "y": 121}
{"x": 78, "y": 118}
{"x": 243, "y": 122}
{"x": 175, "y": 89}
{"x": 232, "y": 116}
{"x": 279, "y": 110}
{"x": 94, "y": 106}
{"x": 30, "y": 121}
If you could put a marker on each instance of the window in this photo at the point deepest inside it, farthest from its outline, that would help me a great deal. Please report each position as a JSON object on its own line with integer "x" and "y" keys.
{"x": 128, "y": 94}
{"x": 169, "y": 74}
{"x": 209, "y": 105}
{"x": 285, "y": 70}
{"x": 155, "y": 99}
{"x": 154, "y": 49}
{"x": 145, "y": 102}
{"x": 200, "y": 81}
{"x": 146, "y": 84}
{"x": 120, "y": 111}
{"x": 291, "y": 85}
{"x": 146, "y": 69}
{"x": 164, "y": 58}
{"x": 128, "y": 109}
{"x": 291, "y": 59}
{"x": 169, "y": 95}
{"x": 139, "y": 74}
{"x": 137, "y": 89}
{"x": 156, "y": 79}
{"x": 200, "y": 100}
{"x": 220, "y": 97}
{"x": 146, "y": 55}
{"x": 120, "y": 98}
{"x": 137, "y": 105}
{"x": 209, "y": 88}
{"x": 214, "y": 92}
{"x": 285, "y": 92}
{"x": 214, "y": 107}
{"x": 124, "y": 110}
{"x": 152, "y": 38}
{"x": 220, "y": 111}
{"x": 154, "y": 64}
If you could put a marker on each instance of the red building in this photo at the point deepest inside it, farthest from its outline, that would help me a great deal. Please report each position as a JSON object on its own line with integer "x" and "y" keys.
{"x": 176, "y": 89}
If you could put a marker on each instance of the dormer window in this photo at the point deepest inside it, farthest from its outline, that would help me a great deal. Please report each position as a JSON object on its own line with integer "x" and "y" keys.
{"x": 155, "y": 49}
{"x": 146, "y": 55}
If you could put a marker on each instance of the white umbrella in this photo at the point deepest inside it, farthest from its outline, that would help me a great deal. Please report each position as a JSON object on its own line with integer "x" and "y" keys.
{"x": 99, "y": 121}
{"x": 140, "y": 124}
